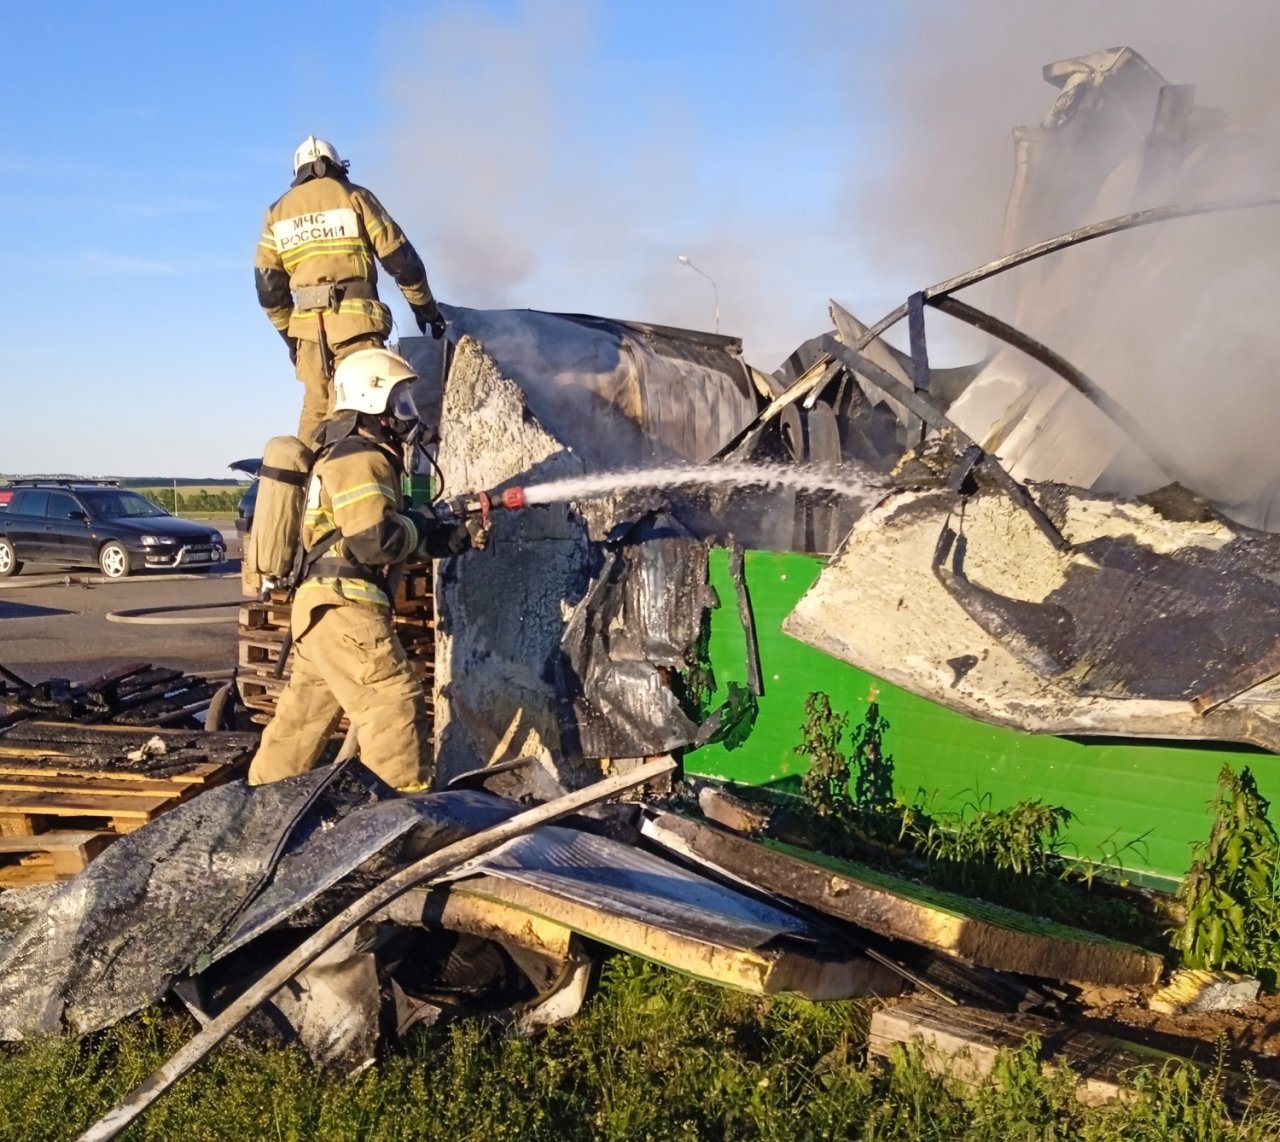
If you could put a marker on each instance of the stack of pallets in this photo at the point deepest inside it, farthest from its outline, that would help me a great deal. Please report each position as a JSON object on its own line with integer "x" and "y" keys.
{"x": 67, "y": 791}
{"x": 264, "y": 621}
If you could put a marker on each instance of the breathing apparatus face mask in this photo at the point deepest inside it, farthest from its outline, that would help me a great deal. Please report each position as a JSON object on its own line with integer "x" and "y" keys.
{"x": 402, "y": 417}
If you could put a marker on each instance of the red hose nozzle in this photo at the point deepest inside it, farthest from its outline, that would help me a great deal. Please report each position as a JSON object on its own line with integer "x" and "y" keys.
{"x": 513, "y": 498}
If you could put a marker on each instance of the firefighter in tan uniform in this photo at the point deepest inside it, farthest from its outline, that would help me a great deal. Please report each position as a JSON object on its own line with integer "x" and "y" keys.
{"x": 346, "y": 656}
{"x": 316, "y": 278}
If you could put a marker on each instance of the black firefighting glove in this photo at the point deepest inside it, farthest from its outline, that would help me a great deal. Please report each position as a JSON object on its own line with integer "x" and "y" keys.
{"x": 292, "y": 342}
{"x": 429, "y": 316}
{"x": 438, "y": 539}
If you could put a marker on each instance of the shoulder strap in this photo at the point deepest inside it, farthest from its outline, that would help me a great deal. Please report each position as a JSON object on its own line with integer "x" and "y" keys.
{"x": 304, "y": 560}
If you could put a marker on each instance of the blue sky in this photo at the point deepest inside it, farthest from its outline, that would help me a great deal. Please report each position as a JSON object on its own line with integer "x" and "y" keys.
{"x": 557, "y": 155}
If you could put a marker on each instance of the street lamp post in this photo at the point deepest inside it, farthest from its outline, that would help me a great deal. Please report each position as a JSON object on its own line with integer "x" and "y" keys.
{"x": 683, "y": 259}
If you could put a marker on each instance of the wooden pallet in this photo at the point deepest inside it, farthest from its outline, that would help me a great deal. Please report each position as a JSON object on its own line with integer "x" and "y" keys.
{"x": 25, "y": 861}
{"x": 32, "y": 799}
{"x": 59, "y": 808}
{"x": 263, "y": 624}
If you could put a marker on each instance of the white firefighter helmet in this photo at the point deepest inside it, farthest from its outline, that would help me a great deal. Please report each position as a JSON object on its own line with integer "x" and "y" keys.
{"x": 312, "y": 149}
{"x": 367, "y": 380}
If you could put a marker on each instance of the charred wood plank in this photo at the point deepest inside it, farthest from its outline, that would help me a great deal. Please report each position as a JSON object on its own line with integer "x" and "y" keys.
{"x": 971, "y": 930}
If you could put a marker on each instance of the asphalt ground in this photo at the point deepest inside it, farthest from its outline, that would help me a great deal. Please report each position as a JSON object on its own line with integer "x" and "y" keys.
{"x": 53, "y": 620}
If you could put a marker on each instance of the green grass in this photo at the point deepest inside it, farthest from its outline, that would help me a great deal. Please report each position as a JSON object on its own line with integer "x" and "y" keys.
{"x": 652, "y": 1056}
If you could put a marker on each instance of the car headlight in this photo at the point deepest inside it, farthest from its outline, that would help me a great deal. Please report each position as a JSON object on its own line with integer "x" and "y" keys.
{"x": 215, "y": 537}
{"x": 150, "y": 540}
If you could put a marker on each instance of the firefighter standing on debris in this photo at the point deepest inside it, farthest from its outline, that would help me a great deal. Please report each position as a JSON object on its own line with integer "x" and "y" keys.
{"x": 346, "y": 656}
{"x": 316, "y": 278}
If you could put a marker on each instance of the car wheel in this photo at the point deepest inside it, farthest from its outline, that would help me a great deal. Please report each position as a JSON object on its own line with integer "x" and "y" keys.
{"x": 113, "y": 559}
{"x": 9, "y": 564}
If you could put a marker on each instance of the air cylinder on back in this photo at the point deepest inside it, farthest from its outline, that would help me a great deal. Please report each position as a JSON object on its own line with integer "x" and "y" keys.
{"x": 281, "y": 502}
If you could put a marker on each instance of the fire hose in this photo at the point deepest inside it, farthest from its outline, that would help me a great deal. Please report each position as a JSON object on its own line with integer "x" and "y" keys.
{"x": 167, "y": 616}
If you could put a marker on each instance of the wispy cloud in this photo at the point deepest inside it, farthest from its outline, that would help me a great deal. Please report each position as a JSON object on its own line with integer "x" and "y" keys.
{"x": 105, "y": 264}
{"x": 168, "y": 207}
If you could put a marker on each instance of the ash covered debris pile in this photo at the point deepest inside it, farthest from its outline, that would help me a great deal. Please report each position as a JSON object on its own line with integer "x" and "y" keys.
{"x": 199, "y": 902}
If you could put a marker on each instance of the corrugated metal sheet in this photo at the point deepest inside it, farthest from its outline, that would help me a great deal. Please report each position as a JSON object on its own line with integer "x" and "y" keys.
{"x": 631, "y": 882}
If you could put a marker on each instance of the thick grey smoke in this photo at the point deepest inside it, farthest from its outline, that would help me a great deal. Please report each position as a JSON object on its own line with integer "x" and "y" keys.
{"x": 496, "y": 151}
{"x": 1178, "y": 322}
{"x": 537, "y": 169}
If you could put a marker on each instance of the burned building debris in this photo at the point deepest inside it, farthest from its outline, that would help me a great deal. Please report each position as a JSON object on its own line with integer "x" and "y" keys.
{"x": 1032, "y": 558}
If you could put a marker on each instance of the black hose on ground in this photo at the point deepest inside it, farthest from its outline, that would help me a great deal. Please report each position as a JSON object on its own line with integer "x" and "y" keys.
{"x": 161, "y": 616}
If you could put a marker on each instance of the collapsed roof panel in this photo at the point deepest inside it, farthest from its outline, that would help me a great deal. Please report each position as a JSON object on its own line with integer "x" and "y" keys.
{"x": 621, "y": 393}
{"x": 1156, "y": 619}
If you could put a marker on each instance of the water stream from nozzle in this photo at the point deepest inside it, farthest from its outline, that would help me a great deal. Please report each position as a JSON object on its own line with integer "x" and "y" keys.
{"x": 864, "y": 488}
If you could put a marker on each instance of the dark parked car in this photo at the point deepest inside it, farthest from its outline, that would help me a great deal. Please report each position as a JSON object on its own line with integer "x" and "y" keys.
{"x": 244, "y": 509}
{"x": 83, "y": 523}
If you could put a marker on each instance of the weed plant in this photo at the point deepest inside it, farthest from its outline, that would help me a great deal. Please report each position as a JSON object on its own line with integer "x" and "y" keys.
{"x": 1232, "y": 893}
{"x": 1012, "y": 856}
{"x": 652, "y": 1056}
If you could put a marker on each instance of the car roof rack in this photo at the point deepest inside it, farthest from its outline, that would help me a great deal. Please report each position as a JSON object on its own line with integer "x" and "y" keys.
{"x": 37, "y": 482}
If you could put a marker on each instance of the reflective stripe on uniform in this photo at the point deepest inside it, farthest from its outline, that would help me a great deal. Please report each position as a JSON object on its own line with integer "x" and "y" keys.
{"x": 358, "y": 307}
{"x": 411, "y": 529}
{"x": 358, "y": 252}
{"x": 360, "y": 492}
{"x": 351, "y": 590}
{"x": 376, "y": 224}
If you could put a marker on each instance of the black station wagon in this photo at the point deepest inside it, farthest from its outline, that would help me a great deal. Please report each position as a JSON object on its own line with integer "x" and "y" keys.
{"x": 77, "y": 524}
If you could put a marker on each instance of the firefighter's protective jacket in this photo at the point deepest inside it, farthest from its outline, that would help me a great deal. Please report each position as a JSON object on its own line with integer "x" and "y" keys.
{"x": 328, "y": 230}
{"x": 355, "y": 523}
{"x": 355, "y": 492}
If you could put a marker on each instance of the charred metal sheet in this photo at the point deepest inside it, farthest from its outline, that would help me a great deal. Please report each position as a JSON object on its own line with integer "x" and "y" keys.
{"x": 1128, "y": 621}
{"x": 637, "y": 625}
{"x": 342, "y": 834}
{"x": 111, "y": 940}
{"x": 115, "y": 938}
{"x": 630, "y": 882}
{"x": 334, "y": 1006}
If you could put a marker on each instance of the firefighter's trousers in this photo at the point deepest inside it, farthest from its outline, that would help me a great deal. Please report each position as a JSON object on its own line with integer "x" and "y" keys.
{"x": 349, "y": 659}
{"x": 317, "y": 389}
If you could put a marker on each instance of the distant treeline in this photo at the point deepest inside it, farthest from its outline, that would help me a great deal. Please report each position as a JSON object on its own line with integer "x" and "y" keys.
{"x": 141, "y": 483}
{"x": 195, "y": 502}
{"x": 138, "y": 483}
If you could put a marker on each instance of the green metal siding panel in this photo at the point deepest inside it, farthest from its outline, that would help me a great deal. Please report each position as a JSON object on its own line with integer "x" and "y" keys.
{"x": 1152, "y": 797}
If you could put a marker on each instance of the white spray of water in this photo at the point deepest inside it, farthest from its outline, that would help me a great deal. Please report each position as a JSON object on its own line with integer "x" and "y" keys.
{"x": 864, "y": 489}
